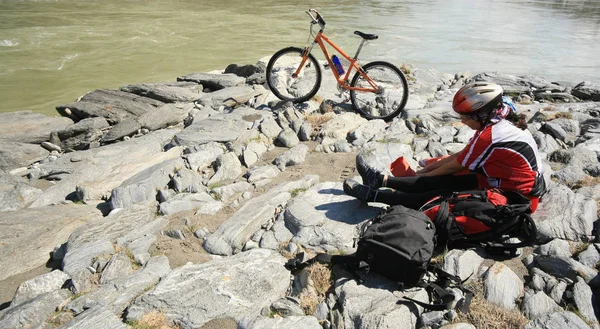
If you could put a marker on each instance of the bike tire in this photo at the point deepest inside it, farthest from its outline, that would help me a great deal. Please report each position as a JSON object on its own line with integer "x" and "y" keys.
{"x": 389, "y": 101}
{"x": 279, "y": 73}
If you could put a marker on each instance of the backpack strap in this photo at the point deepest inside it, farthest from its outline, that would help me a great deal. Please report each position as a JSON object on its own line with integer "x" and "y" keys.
{"x": 350, "y": 262}
{"x": 527, "y": 234}
{"x": 438, "y": 292}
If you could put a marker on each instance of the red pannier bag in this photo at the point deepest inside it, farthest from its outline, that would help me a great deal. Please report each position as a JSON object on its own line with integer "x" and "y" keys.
{"x": 482, "y": 217}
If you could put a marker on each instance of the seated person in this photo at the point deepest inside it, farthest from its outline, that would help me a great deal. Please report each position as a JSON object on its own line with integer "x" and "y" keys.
{"x": 499, "y": 155}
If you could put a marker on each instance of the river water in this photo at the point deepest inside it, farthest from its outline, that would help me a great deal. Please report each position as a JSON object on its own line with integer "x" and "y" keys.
{"x": 53, "y": 51}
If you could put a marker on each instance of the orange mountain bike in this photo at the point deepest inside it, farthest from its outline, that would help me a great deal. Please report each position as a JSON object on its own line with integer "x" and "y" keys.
{"x": 378, "y": 90}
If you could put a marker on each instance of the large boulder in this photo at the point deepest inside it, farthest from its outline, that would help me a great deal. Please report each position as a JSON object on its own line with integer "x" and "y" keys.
{"x": 168, "y": 92}
{"x": 565, "y": 215}
{"x": 587, "y": 91}
{"x": 14, "y": 155}
{"x": 375, "y": 304}
{"x": 15, "y": 192}
{"x": 324, "y": 218}
{"x": 235, "y": 287}
{"x": 29, "y": 127}
{"x": 113, "y": 105}
{"x": 231, "y": 236}
{"x": 93, "y": 174}
{"x": 29, "y": 236}
{"x": 222, "y": 127}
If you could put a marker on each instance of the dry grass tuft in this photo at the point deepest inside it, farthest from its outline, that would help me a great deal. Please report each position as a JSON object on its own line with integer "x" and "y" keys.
{"x": 319, "y": 282}
{"x": 153, "y": 320}
{"x": 316, "y": 120}
{"x": 309, "y": 301}
{"x": 588, "y": 181}
{"x": 484, "y": 314}
{"x": 321, "y": 278}
{"x": 565, "y": 115}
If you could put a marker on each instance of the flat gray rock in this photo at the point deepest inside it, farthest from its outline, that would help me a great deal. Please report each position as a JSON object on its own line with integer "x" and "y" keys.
{"x": 227, "y": 167}
{"x": 567, "y": 268}
{"x": 589, "y": 257}
{"x": 165, "y": 116}
{"x": 308, "y": 322}
{"x": 230, "y": 97}
{"x": 33, "y": 312}
{"x": 564, "y": 214}
{"x": 118, "y": 295}
{"x": 557, "y": 248}
{"x": 269, "y": 127}
{"x": 536, "y": 305}
{"x": 187, "y": 181}
{"x": 253, "y": 152}
{"x": 231, "y": 236}
{"x": 95, "y": 173}
{"x": 294, "y": 156}
{"x": 502, "y": 286}
{"x": 230, "y": 192}
{"x": 96, "y": 318}
{"x": 202, "y": 202}
{"x": 80, "y": 135}
{"x": 374, "y": 304}
{"x": 113, "y": 105}
{"x": 125, "y": 128}
{"x": 558, "y": 320}
{"x": 196, "y": 293}
{"x": 584, "y": 300}
{"x": 39, "y": 285}
{"x": 214, "y": 81}
{"x": 203, "y": 155}
{"x": 118, "y": 266}
{"x": 33, "y": 128}
{"x": 463, "y": 263}
{"x": 15, "y": 192}
{"x": 324, "y": 218}
{"x": 29, "y": 236}
{"x": 16, "y": 154}
{"x": 222, "y": 127}
{"x": 169, "y": 92}
{"x": 142, "y": 186}
{"x": 257, "y": 174}
{"x": 340, "y": 126}
{"x": 587, "y": 91}
{"x": 97, "y": 237}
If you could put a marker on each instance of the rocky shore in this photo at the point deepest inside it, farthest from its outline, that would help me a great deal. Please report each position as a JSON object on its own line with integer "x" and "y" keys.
{"x": 215, "y": 166}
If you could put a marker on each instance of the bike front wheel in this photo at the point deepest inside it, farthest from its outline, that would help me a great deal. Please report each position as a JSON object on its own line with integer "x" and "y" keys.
{"x": 391, "y": 95}
{"x": 281, "y": 80}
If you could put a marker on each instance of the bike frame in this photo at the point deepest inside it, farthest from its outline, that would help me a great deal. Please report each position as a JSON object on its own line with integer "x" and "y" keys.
{"x": 320, "y": 39}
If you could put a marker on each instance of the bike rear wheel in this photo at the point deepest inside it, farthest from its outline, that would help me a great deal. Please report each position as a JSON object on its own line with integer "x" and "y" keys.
{"x": 284, "y": 85}
{"x": 391, "y": 96}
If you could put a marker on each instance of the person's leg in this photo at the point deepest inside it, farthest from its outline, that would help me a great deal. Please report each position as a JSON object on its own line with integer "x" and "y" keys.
{"x": 409, "y": 200}
{"x": 418, "y": 184}
{"x": 411, "y": 192}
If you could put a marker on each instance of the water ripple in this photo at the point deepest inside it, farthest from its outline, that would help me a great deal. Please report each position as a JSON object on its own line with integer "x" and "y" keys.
{"x": 9, "y": 43}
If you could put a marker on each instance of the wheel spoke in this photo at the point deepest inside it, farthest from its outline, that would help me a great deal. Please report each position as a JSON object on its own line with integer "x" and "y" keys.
{"x": 391, "y": 96}
{"x": 280, "y": 75}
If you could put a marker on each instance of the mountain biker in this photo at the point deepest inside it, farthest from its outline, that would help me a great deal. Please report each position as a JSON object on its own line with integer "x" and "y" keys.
{"x": 499, "y": 155}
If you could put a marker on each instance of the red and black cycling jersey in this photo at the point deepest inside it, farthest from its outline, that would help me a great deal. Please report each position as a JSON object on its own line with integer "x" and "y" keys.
{"x": 506, "y": 157}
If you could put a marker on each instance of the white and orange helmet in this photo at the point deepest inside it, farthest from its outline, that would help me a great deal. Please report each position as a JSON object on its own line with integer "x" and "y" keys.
{"x": 477, "y": 98}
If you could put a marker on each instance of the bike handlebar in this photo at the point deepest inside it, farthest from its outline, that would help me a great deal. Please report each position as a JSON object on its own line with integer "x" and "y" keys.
{"x": 318, "y": 20}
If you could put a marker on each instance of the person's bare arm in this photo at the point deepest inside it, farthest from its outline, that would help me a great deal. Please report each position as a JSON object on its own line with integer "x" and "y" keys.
{"x": 438, "y": 164}
{"x": 447, "y": 168}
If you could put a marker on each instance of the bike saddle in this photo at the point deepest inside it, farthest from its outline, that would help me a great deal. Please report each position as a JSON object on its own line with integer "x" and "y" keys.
{"x": 366, "y": 36}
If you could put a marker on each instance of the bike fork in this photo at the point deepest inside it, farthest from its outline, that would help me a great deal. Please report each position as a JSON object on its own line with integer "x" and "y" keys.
{"x": 305, "y": 53}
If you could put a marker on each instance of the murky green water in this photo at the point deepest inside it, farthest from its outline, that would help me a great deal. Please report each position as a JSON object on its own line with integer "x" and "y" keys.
{"x": 52, "y": 52}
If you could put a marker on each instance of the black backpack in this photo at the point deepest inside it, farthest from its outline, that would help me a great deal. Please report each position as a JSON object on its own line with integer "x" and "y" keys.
{"x": 397, "y": 244}
{"x": 483, "y": 218}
